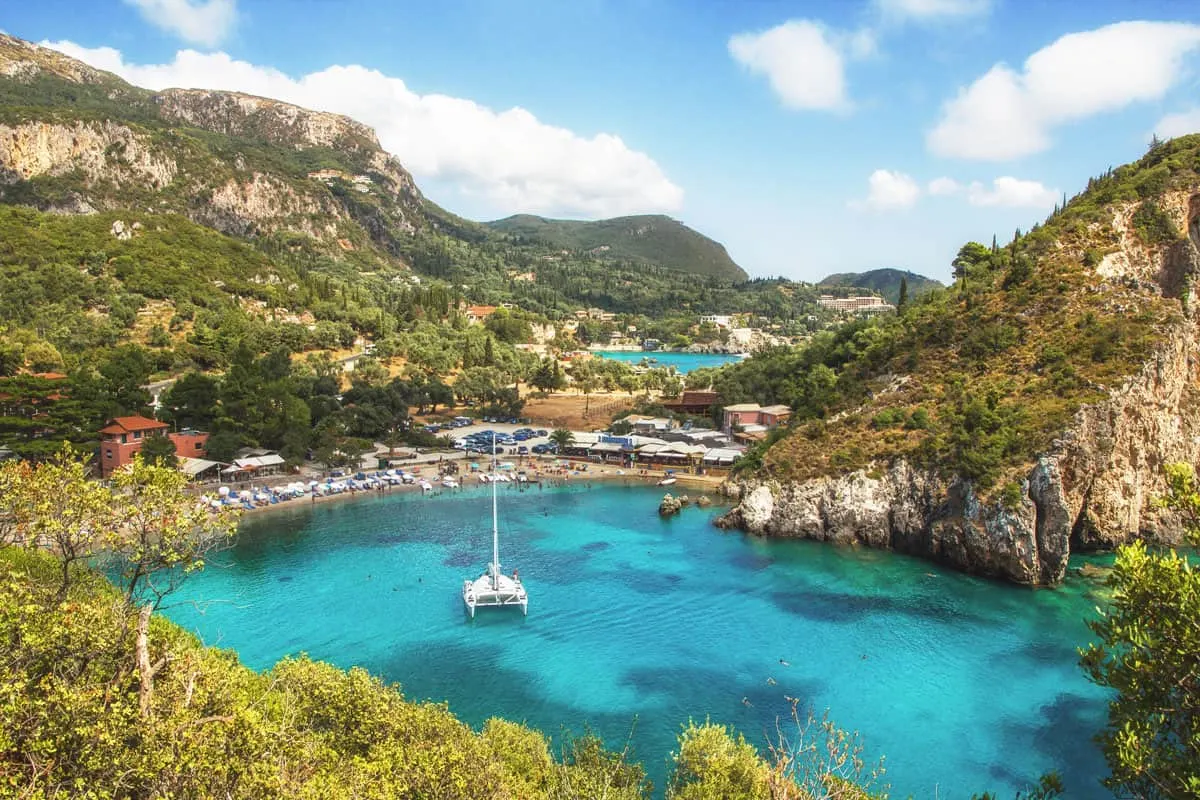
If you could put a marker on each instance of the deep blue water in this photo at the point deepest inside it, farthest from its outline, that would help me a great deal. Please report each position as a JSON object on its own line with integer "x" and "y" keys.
{"x": 684, "y": 362}
{"x": 966, "y": 685}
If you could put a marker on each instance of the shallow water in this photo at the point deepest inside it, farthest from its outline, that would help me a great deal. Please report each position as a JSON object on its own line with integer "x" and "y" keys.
{"x": 966, "y": 685}
{"x": 684, "y": 362}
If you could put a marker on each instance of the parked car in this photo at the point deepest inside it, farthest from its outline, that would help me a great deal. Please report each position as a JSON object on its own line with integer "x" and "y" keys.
{"x": 522, "y": 450}
{"x": 541, "y": 432}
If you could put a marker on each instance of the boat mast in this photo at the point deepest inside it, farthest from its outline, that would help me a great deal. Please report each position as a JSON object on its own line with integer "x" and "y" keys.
{"x": 495, "y": 524}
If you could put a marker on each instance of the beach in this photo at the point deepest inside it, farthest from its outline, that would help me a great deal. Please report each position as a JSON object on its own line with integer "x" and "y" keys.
{"x": 543, "y": 471}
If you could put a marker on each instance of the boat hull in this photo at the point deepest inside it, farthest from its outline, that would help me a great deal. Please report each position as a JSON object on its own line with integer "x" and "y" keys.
{"x": 486, "y": 592}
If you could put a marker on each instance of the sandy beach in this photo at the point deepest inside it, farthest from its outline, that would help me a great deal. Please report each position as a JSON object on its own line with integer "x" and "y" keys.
{"x": 545, "y": 472}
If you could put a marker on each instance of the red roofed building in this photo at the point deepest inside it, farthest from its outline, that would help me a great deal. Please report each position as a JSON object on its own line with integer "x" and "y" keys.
{"x": 477, "y": 314}
{"x": 123, "y": 437}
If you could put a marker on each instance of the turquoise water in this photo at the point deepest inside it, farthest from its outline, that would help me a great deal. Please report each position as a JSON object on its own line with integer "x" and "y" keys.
{"x": 684, "y": 362}
{"x": 964, "y": 684}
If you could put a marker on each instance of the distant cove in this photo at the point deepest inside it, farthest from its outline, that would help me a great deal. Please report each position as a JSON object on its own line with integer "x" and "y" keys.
{"x": 684, "y": 362}
{"x": 966, "y": 685}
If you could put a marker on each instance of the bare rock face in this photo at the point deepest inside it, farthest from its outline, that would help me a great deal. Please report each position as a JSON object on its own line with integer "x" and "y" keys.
{"x": 100, "y": 150}
{"x": 1092, "y": 490}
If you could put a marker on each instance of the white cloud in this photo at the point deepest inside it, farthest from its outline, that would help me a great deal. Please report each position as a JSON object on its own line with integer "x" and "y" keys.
{"x": 1178, "y": 124}
{"x": 942, "y": 187}
{"x": 511, "y": 159}
{"x": 803, "y": 61}
{"x": 924, "y": 10}
{"x": 202, "y": 22}
{"x": 889, "y": 190}
{"x": 1012, "y": 193}
{"x": 1005, "y": 114}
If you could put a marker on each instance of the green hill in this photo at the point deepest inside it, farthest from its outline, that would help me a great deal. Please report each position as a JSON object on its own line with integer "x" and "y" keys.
{"x": 1032, "y": 331}
{"x": 885, "y": 282}
{"x": 654, "y": 239}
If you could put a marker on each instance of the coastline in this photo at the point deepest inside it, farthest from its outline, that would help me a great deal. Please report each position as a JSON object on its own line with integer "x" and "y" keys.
{"x": 545, "y": 473}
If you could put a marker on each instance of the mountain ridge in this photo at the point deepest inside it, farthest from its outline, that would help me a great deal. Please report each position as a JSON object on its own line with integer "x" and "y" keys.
{"x": 245, "y": 165}
{"x": 653, "y": 238}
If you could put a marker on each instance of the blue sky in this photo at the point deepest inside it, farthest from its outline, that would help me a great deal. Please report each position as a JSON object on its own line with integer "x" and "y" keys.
{"x": 809, "y": 137}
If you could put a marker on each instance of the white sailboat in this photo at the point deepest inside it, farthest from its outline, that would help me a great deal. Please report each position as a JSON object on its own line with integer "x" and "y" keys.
{"x": 493, "y": 587}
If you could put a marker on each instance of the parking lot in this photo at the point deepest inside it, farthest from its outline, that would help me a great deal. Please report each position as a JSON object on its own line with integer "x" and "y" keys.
{"x": 500, "y": 428}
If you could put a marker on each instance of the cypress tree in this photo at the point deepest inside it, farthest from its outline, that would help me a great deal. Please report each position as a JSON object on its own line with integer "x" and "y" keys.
{"x": 903, "y": 300}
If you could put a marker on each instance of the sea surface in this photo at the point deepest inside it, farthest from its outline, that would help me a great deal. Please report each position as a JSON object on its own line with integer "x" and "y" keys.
{"x": 684, "y": 362}
{"x": 637, "y": 624}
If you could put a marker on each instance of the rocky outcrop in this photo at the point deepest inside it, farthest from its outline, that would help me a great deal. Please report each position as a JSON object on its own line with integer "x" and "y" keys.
{"x": 105, "y": 151}
{"x": 670, "y": 506}
{"x": 152, "y": 158}
{"x": 1092, "y": 490}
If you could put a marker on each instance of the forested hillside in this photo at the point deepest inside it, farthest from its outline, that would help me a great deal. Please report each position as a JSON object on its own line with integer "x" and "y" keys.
{"x": 653, "y": 239}
{"x": 886, "y": 282}
{"x": 981, "y": 376}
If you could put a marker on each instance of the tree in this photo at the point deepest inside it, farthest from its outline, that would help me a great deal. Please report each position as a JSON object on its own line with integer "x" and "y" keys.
{"x": 903, "y": 299}
{"x": 162, "y": 534}
{"x": 54, "y": 505}
{"x": 159, "y": 451}
{"x": 193, "y": 401}
{"x": 1149, "y": 653}
{"x": 43, "y": 357}
{"x": 562, "y": 438}
{"x": 548, "y": 375}
{"x": 970, "y": 256}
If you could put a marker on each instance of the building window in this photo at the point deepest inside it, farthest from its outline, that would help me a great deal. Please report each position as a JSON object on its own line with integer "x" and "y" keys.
{"x": 108, "y": 453}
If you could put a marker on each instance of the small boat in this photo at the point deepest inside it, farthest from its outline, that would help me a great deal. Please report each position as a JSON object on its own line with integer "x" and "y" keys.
{"x": 426, "y": 486}
{"x": 449, "y": 483}
{"x": 666, "y": 481}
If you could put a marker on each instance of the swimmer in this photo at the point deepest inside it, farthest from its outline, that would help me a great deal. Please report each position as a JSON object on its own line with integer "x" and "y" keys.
{"x": 746, "y": 702}
{"x": 770, "y": 681}
{"x": 786, "y": 664}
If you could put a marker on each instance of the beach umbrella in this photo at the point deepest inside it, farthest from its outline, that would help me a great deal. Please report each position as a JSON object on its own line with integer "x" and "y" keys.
{"x": 223, "y": 491}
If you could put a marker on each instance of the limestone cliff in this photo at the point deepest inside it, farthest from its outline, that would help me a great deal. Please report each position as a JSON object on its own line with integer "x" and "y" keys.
{"x": 76, "y": 140}
{"x": 1091, "y": 488}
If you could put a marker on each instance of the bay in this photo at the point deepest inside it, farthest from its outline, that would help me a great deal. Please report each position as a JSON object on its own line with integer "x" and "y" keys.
{"x": 683, "y": 362}
{"x": 637, "y": 624}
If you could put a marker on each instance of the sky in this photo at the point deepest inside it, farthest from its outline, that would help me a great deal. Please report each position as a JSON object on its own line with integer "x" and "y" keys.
{"x": 808, "y": 137}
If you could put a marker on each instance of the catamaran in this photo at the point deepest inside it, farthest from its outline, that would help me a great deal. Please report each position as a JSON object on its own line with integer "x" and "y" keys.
{"x": 493, "y": 587}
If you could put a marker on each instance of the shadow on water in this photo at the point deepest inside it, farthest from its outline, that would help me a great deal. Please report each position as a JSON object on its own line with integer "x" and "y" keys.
{"x": 846, "y": 607}
{"x": 1063, "y": 733}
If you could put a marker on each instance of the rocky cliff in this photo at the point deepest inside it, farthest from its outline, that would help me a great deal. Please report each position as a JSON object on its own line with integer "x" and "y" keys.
{"x": 77, "y": 140}
{"x": 1092, "y": 488}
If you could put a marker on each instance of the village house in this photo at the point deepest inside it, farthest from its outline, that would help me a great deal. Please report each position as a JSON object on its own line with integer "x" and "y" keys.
{"x": 694, "y": 402}
{"x": 477, "y": 314}
{"x": 122, "y": 438}
{"x": 753, "y": 418}
{"x": 719, "y": 320}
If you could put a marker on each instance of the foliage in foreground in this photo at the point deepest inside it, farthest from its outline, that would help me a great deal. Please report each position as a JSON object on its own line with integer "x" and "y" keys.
{"x": 1149, "y": 652}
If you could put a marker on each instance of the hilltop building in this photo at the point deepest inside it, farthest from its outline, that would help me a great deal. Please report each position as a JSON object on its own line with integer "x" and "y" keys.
{"x": 862, "y": 304}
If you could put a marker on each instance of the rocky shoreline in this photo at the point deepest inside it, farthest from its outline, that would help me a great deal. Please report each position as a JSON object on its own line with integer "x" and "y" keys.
{"x": 1092, "y": 490}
